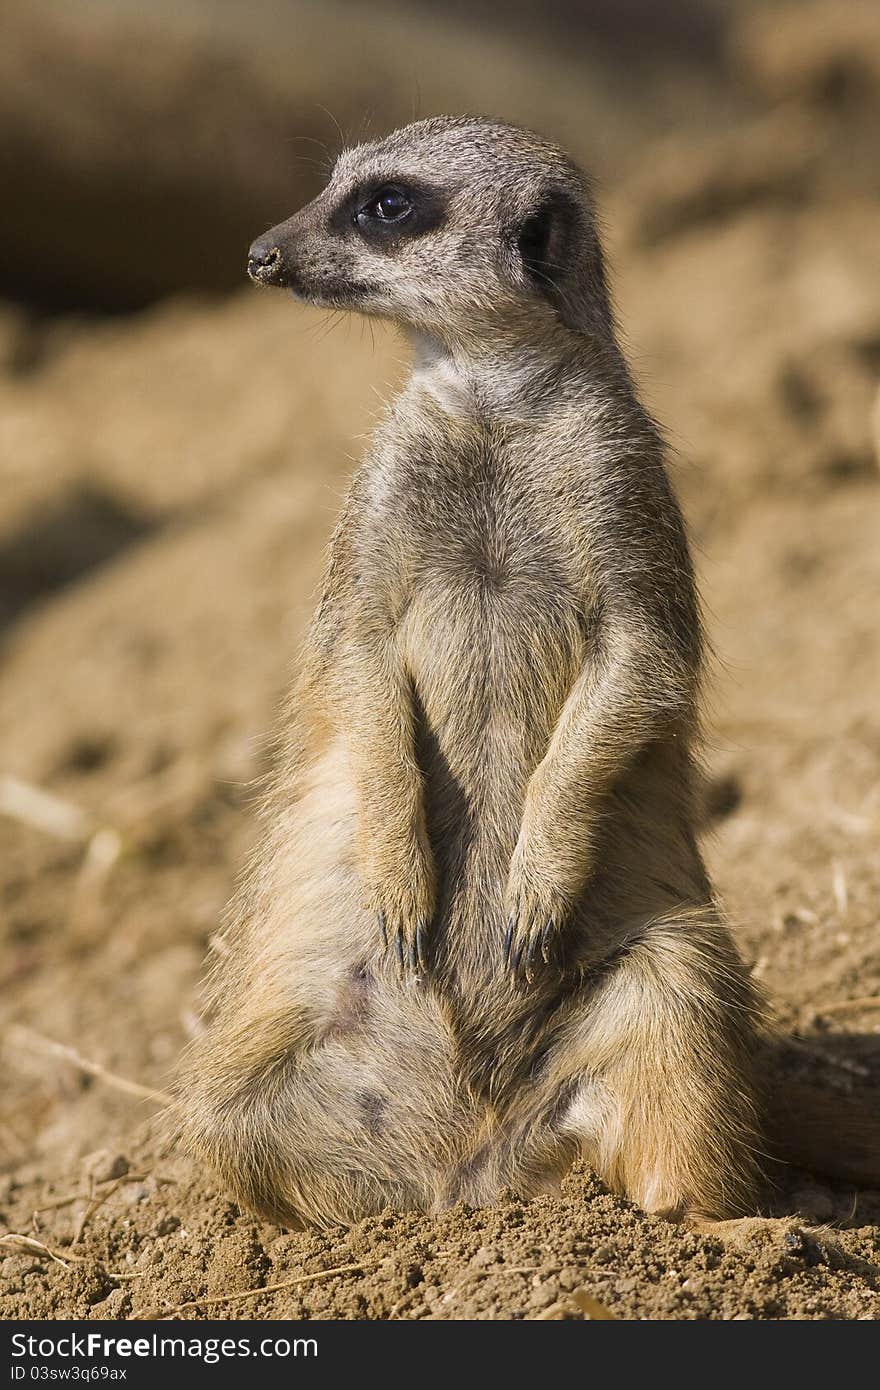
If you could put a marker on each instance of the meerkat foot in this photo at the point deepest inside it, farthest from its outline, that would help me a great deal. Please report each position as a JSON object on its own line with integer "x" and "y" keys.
{"x": 784, "y": 1234}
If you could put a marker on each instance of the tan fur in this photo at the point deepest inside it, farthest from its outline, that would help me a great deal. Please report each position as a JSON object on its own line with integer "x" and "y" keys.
{"x": 493, "y": 734}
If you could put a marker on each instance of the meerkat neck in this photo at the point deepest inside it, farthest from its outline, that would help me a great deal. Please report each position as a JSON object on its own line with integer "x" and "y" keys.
{"x": 504, "y": 377}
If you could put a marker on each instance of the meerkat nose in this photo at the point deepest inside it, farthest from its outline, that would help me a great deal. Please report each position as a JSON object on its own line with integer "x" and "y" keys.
{"x": 265, "y": 263}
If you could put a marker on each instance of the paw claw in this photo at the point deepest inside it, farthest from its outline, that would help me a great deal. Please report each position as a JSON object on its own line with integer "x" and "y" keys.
{"x": 508, "y": 940}
{"x": 530, "y": 940}
{"x": 532, "y": 950}
{"x": 405, "y": 946}
{"x": 547, "y": 936}
{"x": 421, "y": 945}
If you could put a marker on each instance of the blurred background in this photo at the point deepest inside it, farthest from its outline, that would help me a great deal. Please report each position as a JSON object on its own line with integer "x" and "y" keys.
{"x": 174, "y": 446}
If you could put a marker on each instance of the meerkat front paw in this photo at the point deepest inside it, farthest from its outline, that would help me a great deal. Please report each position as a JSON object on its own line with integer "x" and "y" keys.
{"x": 536, "y": 912}
{"x": 403, "y": 902}
{"x": 404, "y": 939}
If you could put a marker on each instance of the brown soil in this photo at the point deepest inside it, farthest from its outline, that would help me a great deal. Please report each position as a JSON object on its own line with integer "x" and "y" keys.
{"x": 172, "y": 480}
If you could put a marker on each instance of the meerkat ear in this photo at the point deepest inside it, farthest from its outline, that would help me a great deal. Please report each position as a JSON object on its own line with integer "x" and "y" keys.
{"x": 559, "y": 253}
{"x": 546, "y": 241}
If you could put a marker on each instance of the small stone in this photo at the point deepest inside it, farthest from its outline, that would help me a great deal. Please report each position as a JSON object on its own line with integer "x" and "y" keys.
{"x": 795, "y": 1243}
{"x": 103, "y": 1165}
{"x": 115, "y": 1304}
{"x": 283, "y": 1246}
{"x": 545, "y": 1292}
{"x": 483, "y": 1258}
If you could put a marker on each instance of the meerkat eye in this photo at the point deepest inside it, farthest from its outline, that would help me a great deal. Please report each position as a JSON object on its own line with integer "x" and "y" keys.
{"x": 390, "y": 204}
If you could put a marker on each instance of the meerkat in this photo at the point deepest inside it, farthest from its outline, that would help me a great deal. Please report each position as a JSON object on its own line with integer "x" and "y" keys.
{"x": 478, "y": 939}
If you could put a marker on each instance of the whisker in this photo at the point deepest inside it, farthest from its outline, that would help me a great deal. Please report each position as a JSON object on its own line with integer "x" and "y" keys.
{"x": 341, "y": 133}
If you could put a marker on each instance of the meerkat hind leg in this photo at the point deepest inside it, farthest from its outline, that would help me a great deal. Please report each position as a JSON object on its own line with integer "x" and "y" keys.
{"x": 666, "y": 1112}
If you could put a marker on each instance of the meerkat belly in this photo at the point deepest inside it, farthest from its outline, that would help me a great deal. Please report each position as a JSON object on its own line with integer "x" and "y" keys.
{"x": 492, "y": 657}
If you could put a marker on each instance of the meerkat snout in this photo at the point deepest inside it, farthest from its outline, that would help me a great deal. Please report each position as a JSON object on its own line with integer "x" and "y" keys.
{"x": 454, "y": 226}
{"x": 265, "y": 264}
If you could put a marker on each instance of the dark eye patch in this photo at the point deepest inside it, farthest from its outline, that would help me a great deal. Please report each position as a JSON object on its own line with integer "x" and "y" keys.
{"x": 389, "y": 211}
{"x": 390, "y": 204}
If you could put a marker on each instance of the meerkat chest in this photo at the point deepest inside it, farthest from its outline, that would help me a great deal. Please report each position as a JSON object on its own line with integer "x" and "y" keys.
{"x": 473, "y": 516}
{"x": 488, "y": 574}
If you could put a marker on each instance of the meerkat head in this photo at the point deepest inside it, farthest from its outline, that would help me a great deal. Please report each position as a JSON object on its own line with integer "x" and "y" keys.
{"x": 459, "y": 227}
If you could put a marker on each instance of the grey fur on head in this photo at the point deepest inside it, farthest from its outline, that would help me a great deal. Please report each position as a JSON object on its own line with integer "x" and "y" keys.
{"x": 500, "y": 234}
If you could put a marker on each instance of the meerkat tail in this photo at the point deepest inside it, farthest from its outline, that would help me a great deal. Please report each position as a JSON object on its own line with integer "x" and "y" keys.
{"x": 824, "y": 1132}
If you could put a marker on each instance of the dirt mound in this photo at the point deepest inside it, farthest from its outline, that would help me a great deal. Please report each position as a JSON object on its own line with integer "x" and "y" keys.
{"x": 172, "y": 480}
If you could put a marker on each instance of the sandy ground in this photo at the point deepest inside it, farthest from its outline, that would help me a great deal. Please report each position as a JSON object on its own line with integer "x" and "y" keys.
{"x": 172, "y": 480}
